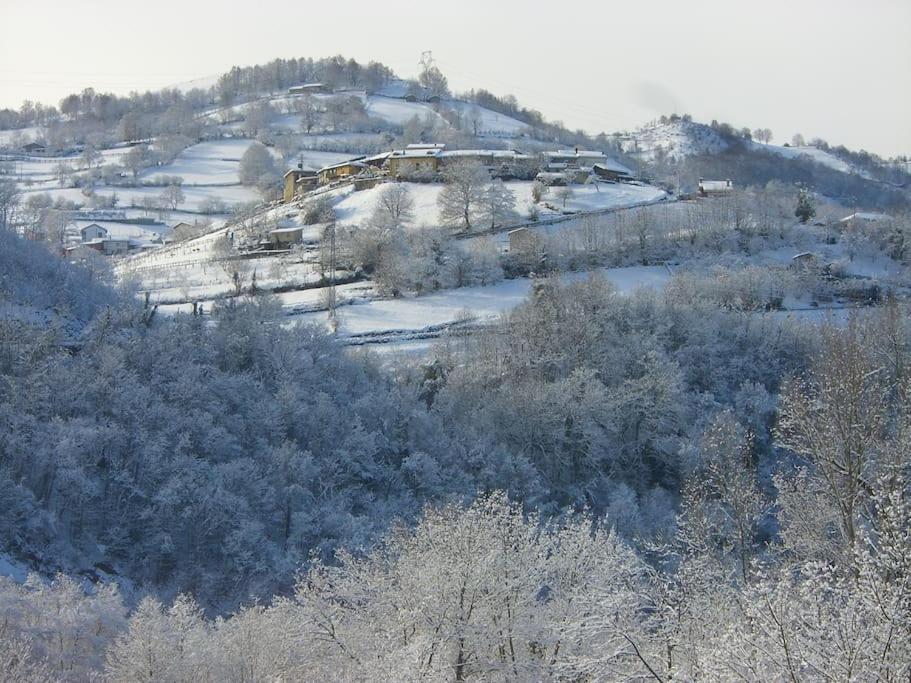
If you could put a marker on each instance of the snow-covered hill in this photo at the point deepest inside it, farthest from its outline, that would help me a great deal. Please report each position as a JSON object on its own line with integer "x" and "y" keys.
{"x": 678, "y": 139}
{"x": 819, "y": 156}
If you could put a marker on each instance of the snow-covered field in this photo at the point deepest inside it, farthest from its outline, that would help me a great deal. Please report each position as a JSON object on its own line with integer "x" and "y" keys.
{"x": 814, "y": 154}
{"x": 411, "y": 315}
{"x": 194, "y": 197}
{"x": 355, "y": 207}
{"x": 679, "y": 139}
{"x": 489, "y": 122}
{"x": 398, "y": 112}
{"x": 27, "y": 134}
{"x": 207, "y": 163}
{"x": 599, "y": 196}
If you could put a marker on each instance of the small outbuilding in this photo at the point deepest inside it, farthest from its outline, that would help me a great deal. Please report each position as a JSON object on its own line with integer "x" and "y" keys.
{"x": 92, "y": 232}
{"x": 281, "y": 238}
{"x": 612, "y": 171}
{"x": 310, "y": 89}
{"x": 34, "y": 148}
{"x": 709, "y": 188}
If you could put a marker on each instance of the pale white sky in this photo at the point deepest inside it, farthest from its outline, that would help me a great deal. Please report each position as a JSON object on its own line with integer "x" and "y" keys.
{"x": 838, "y": 69}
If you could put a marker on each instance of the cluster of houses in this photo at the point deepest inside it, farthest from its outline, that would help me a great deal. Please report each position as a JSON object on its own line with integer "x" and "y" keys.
{"x": 100, "y": 238}
{"x": 426, "y": 161}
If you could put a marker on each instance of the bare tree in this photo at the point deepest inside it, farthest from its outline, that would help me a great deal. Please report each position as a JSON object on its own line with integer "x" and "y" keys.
{"x": 394, "y": 206}
{"x": 564, "y": 193}
{"x": 9, "y": 200}
{"x": 836, "y": 420}
{"x": 462, "y": 197}
{"x": 499, "y": 203}
{"x": 310, "y": 114}
{"x": 173, "y": 196}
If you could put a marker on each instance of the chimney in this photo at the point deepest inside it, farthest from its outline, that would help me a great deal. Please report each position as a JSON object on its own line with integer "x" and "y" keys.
{"x": 577, "y": 149}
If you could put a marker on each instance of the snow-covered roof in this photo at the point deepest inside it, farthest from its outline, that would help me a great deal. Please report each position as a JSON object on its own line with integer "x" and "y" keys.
{"x": 614, "y": 166}
{"x": 708, "y": 185}
{"x": 415, "y": 153}
{"x": 866, "y": 216}
{"x": 574, "y": 154}
{"x": 493, "y": 153}
{"x": 285, "y": 231}
{"x": 430, "y": 145}
{"x": 304, "y": 170}
{"x": 359, "y": 161}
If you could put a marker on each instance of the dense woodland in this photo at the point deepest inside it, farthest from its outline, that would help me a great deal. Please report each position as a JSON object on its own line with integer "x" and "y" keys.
{"x": 650, "y": 486}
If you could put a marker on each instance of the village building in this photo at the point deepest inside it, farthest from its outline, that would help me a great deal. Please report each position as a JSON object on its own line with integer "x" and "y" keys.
{"x": 296, "y": 182}
{"x": 93, "y": 232}
{"x": 612, "y": 171}
{"x": 310, "y": 89}
{"x": 34, "y": 148}
{"x": 342, "y": 170}
{"x": 708, "y": 188}
{"x": 282, "y": 238}
{"x": 501, "y": 163}
{"x": 378, "y": 160}
{"x": 415, "y": 159}
{"x": 572, "y": 158}
{"x": 109, "y": 246}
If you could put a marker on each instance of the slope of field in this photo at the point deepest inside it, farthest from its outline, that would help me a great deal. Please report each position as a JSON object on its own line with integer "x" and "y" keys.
{"x": 413, "y": 315}
{"x": 355, "y": 207}
{"x": 820, "y": 156}
{"x": 206, "y": 163}
{"x": 678, "y": 139}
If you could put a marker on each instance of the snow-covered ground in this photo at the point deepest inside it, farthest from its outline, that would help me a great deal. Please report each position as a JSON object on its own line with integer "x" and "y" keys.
{"x": 483, "y": 303}
{"x": 194, "y": 196}
{"x": 599, "y": 196}
{"x": 398, "y": 112}
{"x": 355, "y": 207}
{"x": 489, "y": 122}
{"x": 678, "y": 139}
{"x": 28, "y": 134}
{"x": 814, "y": 154}
{"x": 207, "y": 163}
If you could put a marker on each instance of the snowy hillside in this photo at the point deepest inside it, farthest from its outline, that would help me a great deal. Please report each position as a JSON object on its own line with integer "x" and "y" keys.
{"x": 815, "y": 154}
{"x": 679, "y": 139}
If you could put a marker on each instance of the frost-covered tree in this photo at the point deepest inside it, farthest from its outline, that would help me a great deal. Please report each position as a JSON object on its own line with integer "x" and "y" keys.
{"x": 434, "y": 81}
{"x": 835, "y": 419}
{"x": 257, "y": 167}
{"x": 462, "y": 197}
{"x": 309, "y": 112}
{"x": 498, "y": 204}
{"x": 564, "y": 194}
{"x": 394, "y": 207}
{"x": 805, "y": 209}
{"x": 9, "y": 200}
{"x": 172, "y": 196}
